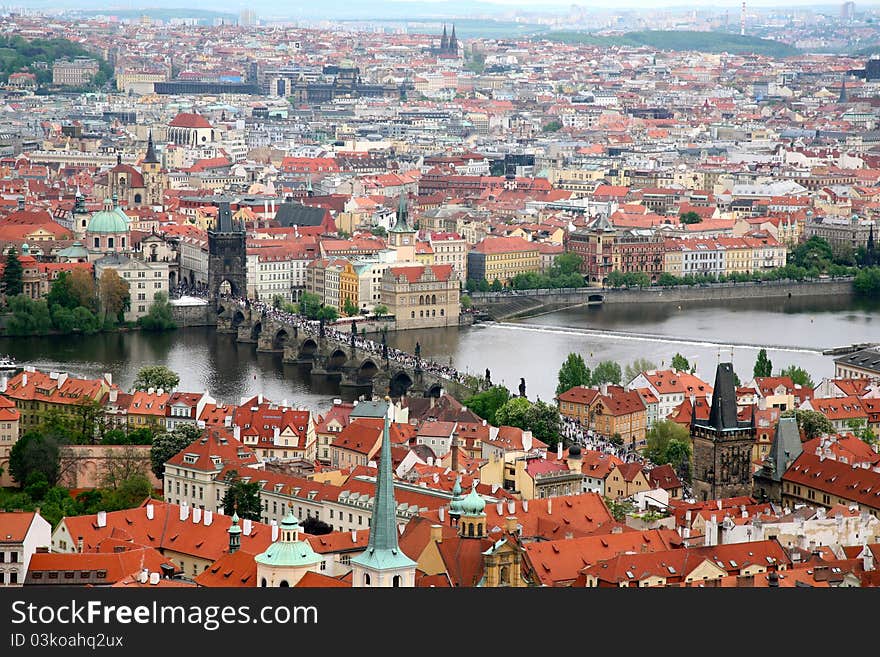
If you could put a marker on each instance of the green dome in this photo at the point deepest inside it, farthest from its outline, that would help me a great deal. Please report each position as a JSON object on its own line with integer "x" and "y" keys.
{"x": 288, "y": 550}
{"x": 234, "y": 528}
{"x": 473, "y": 504}
{"x": 109, "y": 220}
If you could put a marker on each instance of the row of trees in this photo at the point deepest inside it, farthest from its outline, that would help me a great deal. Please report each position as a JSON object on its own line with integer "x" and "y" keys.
{"x": 498, "y": 408}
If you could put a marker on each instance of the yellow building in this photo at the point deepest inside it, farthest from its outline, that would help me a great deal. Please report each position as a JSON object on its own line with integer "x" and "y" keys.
{"x": 620, "y": 412}
{"x": 348, "y": 284}
{"x": 502, "y": 258}
{"x": 424, "y": 253}
{"x": 737, "y": 257}
{"x": 673, "y": 259}
{"x": 36, "y": 394}
{"x": 626, "y": 479}
{"x": 421, "y": 296}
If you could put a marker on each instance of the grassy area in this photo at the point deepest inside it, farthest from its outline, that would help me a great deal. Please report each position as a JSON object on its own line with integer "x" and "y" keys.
{"x": 19, "y": 54}
{"x": 714, "y": 42}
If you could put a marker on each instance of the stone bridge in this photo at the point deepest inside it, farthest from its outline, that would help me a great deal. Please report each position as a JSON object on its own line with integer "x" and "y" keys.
{"x": 359, "y": 371}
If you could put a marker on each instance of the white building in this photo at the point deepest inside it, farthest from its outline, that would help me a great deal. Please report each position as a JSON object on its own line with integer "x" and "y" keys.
{"x": 20, "y": 536}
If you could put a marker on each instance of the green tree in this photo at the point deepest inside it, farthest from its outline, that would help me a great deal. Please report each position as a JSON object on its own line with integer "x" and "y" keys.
{"x": 82, "y": 287}
{"x": 574, "y": 372}
{"x": 552, "y": 126}
{"x": 660, "y": 436}
{"x": 380, "y": 310}
{"x": 812, "y": 423}
{"x": 61, "y": 293}
{"x": 34, "y": 452}
{"x": 566, "y": 263}
{"x": 160, "y": 316}
{"x": 763, "y": 365}
{"x": 156, "y": 376}
{"x": 861, "y": 430}
{"x": 607, "y": 371}
{"x": 615, "y": 279}
{"x": 667, "y": 279}
{"x": 166, "y": 445}
{"x": 638, "y": 366}
{"x": 309, "y": 305}
{"x": 497, "y": 286}
{"x": 680, "y": 363}
{"x": 619, "y": 509}
{"x": 471, "y": 285}
{"x": 690, "y": 217}
{"x": 312, "y": 525}
{"x": 814, "y": 253}
{"x": 545, "y": 423}
{"x": 379, "y": 231}
{"x": 465, "y": 301}
{"x": 798, "y": 375}
{"x": 11, "y": 281}
{"x": 243, "y": 497}
{"x": 678, "y": 455}
{"x": 514, "y": 413}
{"x": 486, "y": 403}
{"x": 350, "y": 308}
{"x": 86, "y": 321}
{"x": 129, "y": 493}
{"x": 328, "y": 314}
{"x": 29, "y": 317}
{"x": 867, "y": 282}
{"x": 57, "y": 504}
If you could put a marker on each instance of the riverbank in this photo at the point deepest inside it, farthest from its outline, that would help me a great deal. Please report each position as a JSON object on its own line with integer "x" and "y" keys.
{"x": 530, "y": 303}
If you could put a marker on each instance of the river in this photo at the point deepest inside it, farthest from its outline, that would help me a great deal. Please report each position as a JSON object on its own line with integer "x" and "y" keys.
{"x": 794, "y": 331}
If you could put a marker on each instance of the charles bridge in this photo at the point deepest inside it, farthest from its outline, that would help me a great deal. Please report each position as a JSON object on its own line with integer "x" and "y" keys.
{"x": 361, "y": 366}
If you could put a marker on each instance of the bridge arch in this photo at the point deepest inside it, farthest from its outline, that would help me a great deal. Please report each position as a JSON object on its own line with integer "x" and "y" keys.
{"x": 337, "y": 359}
{"x": 368, "y": 369}
{"x": 256, "y": 331}
{"x": 237, "y": 318}
{"x": 434, "y": 391}
{"x": 308, "y": 348}
{"x": 280, "y": 339}
{"x": 400, "y": 383}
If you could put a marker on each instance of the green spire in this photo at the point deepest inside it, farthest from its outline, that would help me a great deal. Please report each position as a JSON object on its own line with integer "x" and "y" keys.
{"x": 402, "y": 225}
{"x": 234, "y": 533}
{"x": 382, "y": 550}
{"x": 455, "y": 504}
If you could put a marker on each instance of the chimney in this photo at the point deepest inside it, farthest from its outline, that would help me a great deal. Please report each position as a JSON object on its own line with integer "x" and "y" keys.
{"x": 454, "y": 449}
{"x": 184, "y": 511}
{"x": 510, "y": 524}
{"x": 559, "y": 451}
{"x": 525, "y": 504}
{"x": 499, "y": 507}
{"x": 236, "y": 432}
{"x": 511, "y": 506}
{"x": 113, "y": 394}
{"x": 150, "y": 511}
{"x": 274, "y": 530}
{"x": 867, "y": 558}
{"x": 79, "y": 544}
{"x": 719, "y": 504}
{"x": 441, "y": 513}
{"x": 265, "y": 208}
{"x": 102, "y": 518}
{"x": 209, "y": 517}
{"x": 246, "y": 526}
{"x": 62, "y": 377}
{"x": 604, "y": 389}
{"x": 549, "y": 506}
{"x": 276, "y": 433}
{"x": 143, "y": 576}
{"x": 196, "y": 515}
{"x": 154, "y": 578}
{"x": 107, "y": 377}
{"x": 24, "y": 380}
{"x": 437, "y": 533}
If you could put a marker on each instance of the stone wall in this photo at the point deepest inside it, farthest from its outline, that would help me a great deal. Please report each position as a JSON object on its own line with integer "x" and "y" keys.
{"x": 85, "y": 466}
{"x": 185, "y": 316}
{"x": 723, "y": 291}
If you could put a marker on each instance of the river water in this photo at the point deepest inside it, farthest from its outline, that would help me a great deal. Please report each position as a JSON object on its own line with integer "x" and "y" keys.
{"x": 794, "y": 331}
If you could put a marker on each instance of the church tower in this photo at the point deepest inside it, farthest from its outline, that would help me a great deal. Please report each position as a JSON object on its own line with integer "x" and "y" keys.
{"x": 444, "y": 40}
{"x": 227, "y": 255}
{"x": 722, "y": 444}
{"x": 155, "y": 182}
{"x": 843, "y": 95}
{"x": 383, "y": 564}
{"x": 401, "y": 237}
{"x": 453, "y": 43}
{"x": 472, "y": 523}
{"x": 284, "y": 563}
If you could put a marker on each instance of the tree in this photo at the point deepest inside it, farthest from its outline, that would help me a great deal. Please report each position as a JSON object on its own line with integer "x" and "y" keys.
{"x": 379, "y": 231}
{"x": 545, "y": 423}
{"x": 798, "y": 375}
{"x": 814, "y": 253}
{"x": 156, "y": 376}
{"x": 34, "y": 452}
{"x": 61, "y": 293}
{"x": 115, "y": 296}
{"x": 607, "y": 372}
{"x": 812, "y": 423}
{"x": 82, "y": 288}
{"x": 678, "y": 455}
{"x": 660, "y": 436}
{"x": 486, "y": 403}
{"x": 160, "y": 316}
{"x": 380, "y": 310}
{"x": 121, "y": 465}
{"x": 328, "y": 314}
{"x": 465, "y": 302}
{"x": 166, "y": 445}
{"x": 861, "y": 430}
{"x": 619, "y": 510}
{"x": 129, "y": 493}
{"x": 315, "y": 527}
{"x": 867, "y": 282}
{"x": 690, "y": 217}
{"x": 29, "y": 317}
{"x": 574, "y": 372}
{"x": 514, "y": 413}
{"x": 763, "y": 365}
{"x": 638, "y": 366}
{"x": 243, "y": 497}
{"x": 552, "y": 126}
{"x": 497, "y": 286}
{"x": 350, "y": 308}
{"x": 566, "y": 263}
{"x": 11, "y": 281}
{"x": 309, "y": 305}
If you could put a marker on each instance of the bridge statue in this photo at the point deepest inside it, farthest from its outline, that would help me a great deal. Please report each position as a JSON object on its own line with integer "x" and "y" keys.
{"x": 384, "y": 347}
{"x": 321, "y": 326}
{"x": 418, "y": 350}
{"x": 522, "y": 387}
{"x": 488, "y": 378}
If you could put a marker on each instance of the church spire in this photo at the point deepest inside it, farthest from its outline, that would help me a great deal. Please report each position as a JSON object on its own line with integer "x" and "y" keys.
{"x": 843, "y": 95}
{"x": 150, "y": 157}
{"x": 383, "y": 554}
{"x": 444, "y": 40}
{"x": 234, "y": 532}
{"x": 453, "y": 42}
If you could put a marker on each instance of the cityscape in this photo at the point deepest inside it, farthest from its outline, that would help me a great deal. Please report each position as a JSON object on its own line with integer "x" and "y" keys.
{"x": 439, "y": 295}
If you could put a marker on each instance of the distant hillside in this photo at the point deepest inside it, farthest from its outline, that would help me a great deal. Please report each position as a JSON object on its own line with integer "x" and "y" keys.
{"x": 202, "y": 15}
{"x": 17, "y": 54}
{"x": 713, "y": 42}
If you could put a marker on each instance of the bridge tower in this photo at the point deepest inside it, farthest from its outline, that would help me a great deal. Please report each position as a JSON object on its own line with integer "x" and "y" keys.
{"x": 227, "y": 255}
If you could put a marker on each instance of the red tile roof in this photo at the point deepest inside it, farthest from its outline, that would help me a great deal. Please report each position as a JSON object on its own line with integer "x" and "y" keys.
{"x": 189, "y": 120}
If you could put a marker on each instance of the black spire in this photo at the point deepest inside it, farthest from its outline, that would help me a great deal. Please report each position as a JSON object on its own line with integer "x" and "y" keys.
{"x": 870, "y": 256}
{"x": 723, "y": 412}
{"x": 150, "y": 157}
{"x": 843, "y": 96}
{"x": 444, "y": 40}
{"x": 453, "y": 42}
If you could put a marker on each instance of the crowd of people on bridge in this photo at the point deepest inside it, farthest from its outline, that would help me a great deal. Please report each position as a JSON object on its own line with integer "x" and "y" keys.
{"x": 333, "y": 332}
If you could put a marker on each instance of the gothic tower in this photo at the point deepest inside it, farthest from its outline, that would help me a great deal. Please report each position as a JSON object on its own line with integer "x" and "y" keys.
{"x": 154, "y": 179}
{"x": 227, "y": 255}
{"x": 444, "y": 40}
{"x": 722, "y": 444}
{"x": 453, "y": 43}
{"x": 402, "y": 237}
{"x": 383, "y": 564}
